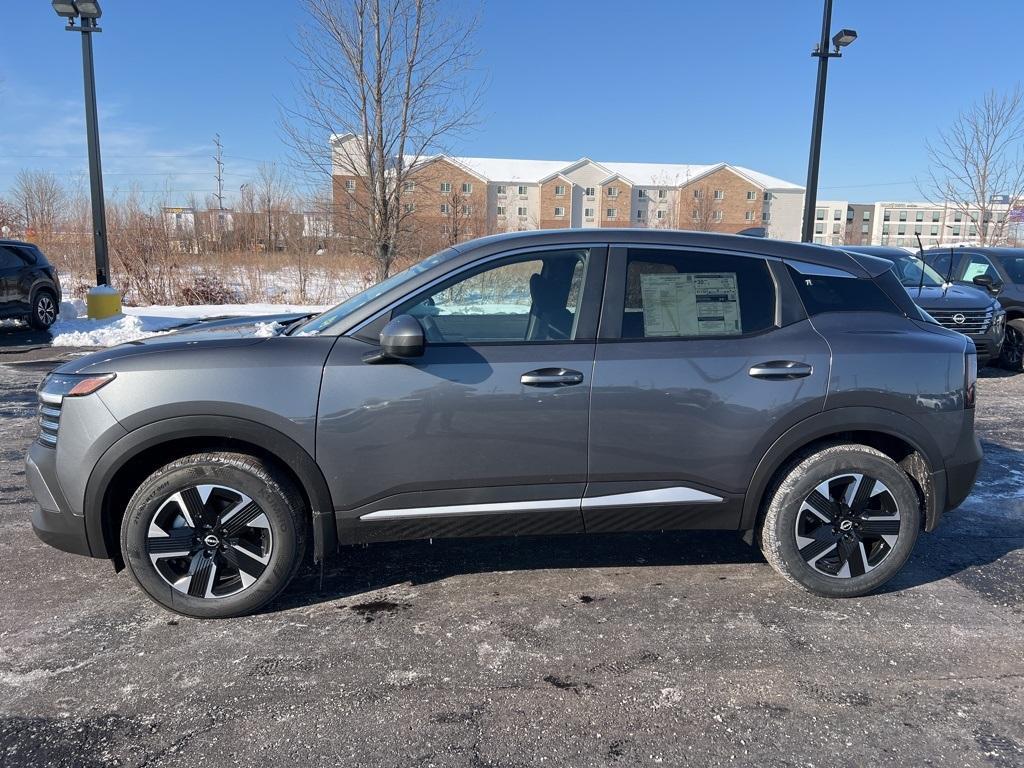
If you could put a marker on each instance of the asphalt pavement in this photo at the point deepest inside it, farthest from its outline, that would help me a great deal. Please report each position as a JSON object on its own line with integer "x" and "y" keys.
{"x": 671, "y": 649}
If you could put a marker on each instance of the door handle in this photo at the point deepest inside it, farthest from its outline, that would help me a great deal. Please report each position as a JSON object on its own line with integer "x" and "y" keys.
{"x": 781, "y": 369}
{"x": 551, "y": 377}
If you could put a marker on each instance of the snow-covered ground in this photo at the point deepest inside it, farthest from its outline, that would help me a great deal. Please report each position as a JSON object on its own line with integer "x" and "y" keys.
{"x": 74, "y": 329}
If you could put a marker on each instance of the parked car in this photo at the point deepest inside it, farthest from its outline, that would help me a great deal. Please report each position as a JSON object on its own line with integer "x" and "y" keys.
{"x": 29, "y": 287}
{"x": 1001, "y": 272}
{"x": 528, "y": 383}
{"x": 967, "y": 309}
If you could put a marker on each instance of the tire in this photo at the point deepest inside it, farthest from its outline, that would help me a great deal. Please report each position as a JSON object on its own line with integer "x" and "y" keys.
{"x": 215, "y": 535}
{"x": 800, "y": 543}
{"x": 44, "y": 310}
{"x": 1011, "y": 356}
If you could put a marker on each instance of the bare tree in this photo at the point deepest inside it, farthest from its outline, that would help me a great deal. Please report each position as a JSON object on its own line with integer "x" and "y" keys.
{"x": 706, "y": 213}
{"x": 40, "y": 196}
{"x": 272, "y": 193}
{"x": 11, "y": 217}
{"x": 979, "y": 157}
{"x": 387, "y": 80}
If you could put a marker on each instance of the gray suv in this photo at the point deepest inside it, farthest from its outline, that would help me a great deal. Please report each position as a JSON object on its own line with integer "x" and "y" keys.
{"x": 531, "y": 383}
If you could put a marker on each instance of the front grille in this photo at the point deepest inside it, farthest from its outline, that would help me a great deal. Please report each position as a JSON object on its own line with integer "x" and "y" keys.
{"x": 969, "y": 321}
{"x": 49, "y": 419}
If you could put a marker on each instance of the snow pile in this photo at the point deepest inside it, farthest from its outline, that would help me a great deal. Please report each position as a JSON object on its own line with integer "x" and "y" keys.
{"x": 73, "y": 329}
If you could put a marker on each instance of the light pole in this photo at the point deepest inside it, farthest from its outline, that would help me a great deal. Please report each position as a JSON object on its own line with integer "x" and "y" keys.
{"x": 89, "y": 12}
{"x": 841, "y": 39}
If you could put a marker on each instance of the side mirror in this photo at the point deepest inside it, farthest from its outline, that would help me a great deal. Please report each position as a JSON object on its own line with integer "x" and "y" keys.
{"x": 400, "y": 339}
{"x": 986, "y": 282}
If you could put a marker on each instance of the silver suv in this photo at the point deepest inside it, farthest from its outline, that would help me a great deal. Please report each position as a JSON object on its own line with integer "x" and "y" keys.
{"x": 530, "y": 383}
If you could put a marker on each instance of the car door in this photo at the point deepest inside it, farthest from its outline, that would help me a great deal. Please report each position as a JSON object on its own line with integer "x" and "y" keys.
{"x": 486, "y": 433}
{"x": 704, "y": 359}
{"x": 10, "y": 271}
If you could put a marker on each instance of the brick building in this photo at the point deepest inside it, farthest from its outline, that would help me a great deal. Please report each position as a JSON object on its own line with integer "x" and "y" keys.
{"x": 452, "y": 199}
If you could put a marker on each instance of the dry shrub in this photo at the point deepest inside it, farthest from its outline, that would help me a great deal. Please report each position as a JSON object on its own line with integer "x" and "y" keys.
{"x": 206, "y": 289}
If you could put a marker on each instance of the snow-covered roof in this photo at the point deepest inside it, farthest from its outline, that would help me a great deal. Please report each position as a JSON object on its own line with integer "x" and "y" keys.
{"x": 498, "y": 169}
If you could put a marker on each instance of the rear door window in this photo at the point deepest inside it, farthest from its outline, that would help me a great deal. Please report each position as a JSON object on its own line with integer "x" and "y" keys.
{"x": 829, "y": 293}
{"x": 978, "y": 265}
{"x": 686, "y": 294}
{"x": 9, "y": 259}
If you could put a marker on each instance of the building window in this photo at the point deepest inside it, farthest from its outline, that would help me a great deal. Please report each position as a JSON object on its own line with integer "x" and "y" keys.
{"x": 866, "y": 216}
{"x": 719, "y": 194}
{"x": 935, "y": 215}
{"x": 501, "y": 210}
{"x": 351, "y": 208}
{"x": 749, "y": 216}
{"x": 903, "y": 215}
{"x": 589, "y": 192}
{"x": 865, "y": 228}
{"x": 919, "y": 216}
{"x": 766, "y": 215}
{"x": 466, "y": 210}
{"x": 837, "y": 214}
{"x": 588, "y": 214}
{"x": 559, "y": 212}
{"x": 445, "y": 208}
{"x": 956, "y": 231}
{"x": 522, "y": 211}
{"x": 641, "y": 193}
{"x": 467, "y": 187}
{"x": 612, "y": 191}
{"x": 973, "y": 230}
{"x": 935, "y": 230}
{"x": 886, "y": 214}
{"x": 751, "y": 194}
{"x": 819, "y": 228}
{"x": 819, "y": 214}
{"x": 350, "y": 185}
{"x": 696, "y": 215}
{"x": 662, "y": 194}
{"x": 901, "y": 229}
{"x": 522, "y": 189}
{"x": 560, "y": 190}
{"x": 767, "y": 197}
{"x": 501, "y": 189}
{"x": 409, "y": 186}
{"x": 410, "y": 207}
{"x": 885, "y": 229}
{"x": 640, "y": 214}
{"x": 918, "y": 229}
{"x": 660, "y": 215}
{"x": 698, "y": 194}
{"x": 446, "y": 187}
{"x": 958, "y": 216}
{"x": 717, "y": 215}
{"x": 835, "y": 229}
{"x": 611, "y": 213}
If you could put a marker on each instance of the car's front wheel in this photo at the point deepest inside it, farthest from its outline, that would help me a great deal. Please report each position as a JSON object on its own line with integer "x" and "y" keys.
{"x": 842, "y": 521}
{"x": 1011, "y": 357}
{"x": 214, "y": 535}
{"x": 44, "y": 311}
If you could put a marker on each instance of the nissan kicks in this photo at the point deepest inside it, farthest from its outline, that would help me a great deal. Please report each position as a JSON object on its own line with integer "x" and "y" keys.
{"x": 529, "y": 383}
{"x": 29, "y": 287}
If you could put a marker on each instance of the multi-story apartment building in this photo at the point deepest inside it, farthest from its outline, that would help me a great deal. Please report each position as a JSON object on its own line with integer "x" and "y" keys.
{"x": 899, "y": 223}
{"x": 449, "y": 199}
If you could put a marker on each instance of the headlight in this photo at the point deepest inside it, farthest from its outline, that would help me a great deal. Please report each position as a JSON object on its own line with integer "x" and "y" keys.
{"x": 56, "y": 386}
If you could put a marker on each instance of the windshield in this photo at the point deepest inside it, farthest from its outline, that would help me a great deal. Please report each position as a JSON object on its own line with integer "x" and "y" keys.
{"x": 337, "y": 313}
{"x": 908, "y": 270}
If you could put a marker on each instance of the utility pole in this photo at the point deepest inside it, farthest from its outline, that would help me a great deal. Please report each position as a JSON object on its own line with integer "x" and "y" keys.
{"x": 219, "y": 160}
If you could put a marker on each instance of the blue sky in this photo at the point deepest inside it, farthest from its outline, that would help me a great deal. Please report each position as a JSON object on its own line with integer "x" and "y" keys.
{"x": 672, "y": 81}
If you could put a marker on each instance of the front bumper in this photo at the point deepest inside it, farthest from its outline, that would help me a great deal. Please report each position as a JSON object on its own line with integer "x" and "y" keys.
{"x": 52, "y": 519}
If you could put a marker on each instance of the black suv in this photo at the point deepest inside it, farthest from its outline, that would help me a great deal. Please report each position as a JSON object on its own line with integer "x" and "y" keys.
{"x": 967, "y": 309}
{"x": 29, "y": 288}
{"x": 1001, "y": 271}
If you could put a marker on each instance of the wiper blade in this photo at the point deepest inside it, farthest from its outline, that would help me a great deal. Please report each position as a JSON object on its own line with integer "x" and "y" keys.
{"x": 297, "y": 322}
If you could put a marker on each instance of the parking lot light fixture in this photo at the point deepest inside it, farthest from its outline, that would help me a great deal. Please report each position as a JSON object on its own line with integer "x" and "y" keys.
{"x": 88, "y": 12}
{"x": 821, "y": 52}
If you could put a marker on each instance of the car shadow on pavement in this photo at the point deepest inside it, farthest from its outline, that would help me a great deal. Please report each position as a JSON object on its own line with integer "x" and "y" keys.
{"x": 986, "y": 528}
{"x": 20, "y": 338}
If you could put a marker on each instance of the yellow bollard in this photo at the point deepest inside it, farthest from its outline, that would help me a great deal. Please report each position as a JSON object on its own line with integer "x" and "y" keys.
{"x": 102, "y": 301}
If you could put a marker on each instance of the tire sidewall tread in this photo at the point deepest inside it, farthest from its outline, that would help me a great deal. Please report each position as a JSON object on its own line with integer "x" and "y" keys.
{"x": 263, "y": 482}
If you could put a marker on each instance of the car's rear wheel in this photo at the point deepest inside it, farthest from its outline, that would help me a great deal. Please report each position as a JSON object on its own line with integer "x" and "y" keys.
{"x": 842, "y": 521}
{"x": 1011, "y": 357}
{"x": 44, "y": 311}
{"x": 214, "y": 535}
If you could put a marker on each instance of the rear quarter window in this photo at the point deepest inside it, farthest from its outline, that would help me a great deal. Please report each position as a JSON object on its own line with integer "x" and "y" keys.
{"x": 825, "y": 293}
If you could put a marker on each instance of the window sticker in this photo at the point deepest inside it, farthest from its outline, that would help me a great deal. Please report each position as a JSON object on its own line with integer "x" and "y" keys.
{"x": 974, "y": 269}
{"x": 690, "y": 304}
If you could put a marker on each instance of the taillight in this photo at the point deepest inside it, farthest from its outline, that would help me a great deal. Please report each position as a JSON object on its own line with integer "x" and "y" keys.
{"x": 970, "y": 379}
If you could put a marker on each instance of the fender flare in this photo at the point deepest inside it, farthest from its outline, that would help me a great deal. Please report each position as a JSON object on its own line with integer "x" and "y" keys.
{"x": 838, "y": 420}
{"x": 278, "y": 445}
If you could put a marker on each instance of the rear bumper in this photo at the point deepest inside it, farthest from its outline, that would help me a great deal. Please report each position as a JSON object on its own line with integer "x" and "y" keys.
{"x": 953, "y": 484}
{"x": 52, "y": 520}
